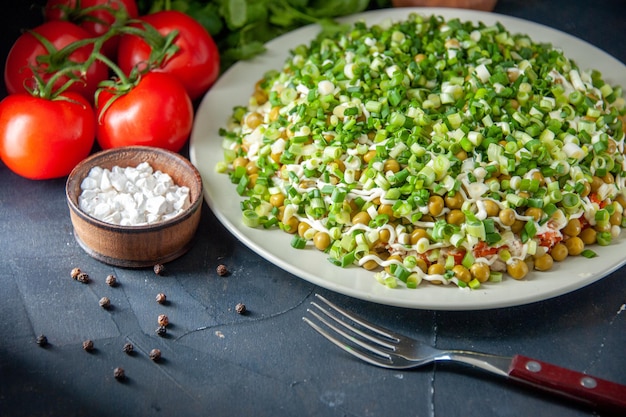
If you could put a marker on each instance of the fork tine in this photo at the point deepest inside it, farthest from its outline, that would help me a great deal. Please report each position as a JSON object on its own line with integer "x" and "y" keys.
{"x": 352, "y": 337}
{"x": 352, "y": 328}
{"x": 395, "y": 337}
{"x": 383, "y": 361}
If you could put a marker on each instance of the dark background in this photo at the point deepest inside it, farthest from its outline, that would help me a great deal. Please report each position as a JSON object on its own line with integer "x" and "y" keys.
{"x": 266, "y": 363}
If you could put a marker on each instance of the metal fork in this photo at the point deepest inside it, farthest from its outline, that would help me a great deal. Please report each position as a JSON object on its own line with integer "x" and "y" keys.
{"x": 382, "y": 347}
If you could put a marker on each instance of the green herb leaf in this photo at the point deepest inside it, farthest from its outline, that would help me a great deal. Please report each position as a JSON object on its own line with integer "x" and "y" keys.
{"x": 236, "y": 13}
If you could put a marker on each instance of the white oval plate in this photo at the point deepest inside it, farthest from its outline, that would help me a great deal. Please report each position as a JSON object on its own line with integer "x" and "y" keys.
{"x": 235, "y": 88}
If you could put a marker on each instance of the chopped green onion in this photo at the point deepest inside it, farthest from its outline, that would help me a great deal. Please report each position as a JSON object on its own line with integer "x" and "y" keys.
{"x": 297, "y": 242}
{"x": 495, "y": 276}
{"x": 250, "y": 218}
{"x": 474, "y": 284}
{"x": 391, "y": 120}
{"x": 588, "y": 253}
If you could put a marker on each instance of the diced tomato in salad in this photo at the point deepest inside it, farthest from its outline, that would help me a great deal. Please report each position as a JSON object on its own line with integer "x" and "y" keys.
{"x": 482, "y": 250}
{"x": 584, "y": 223}
{"x": 458, "y": 255}
{"x": 549, "y": 238}
{"x": 593, "y": 197}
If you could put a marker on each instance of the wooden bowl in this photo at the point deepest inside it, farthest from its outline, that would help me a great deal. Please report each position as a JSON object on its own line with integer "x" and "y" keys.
{"x": 144, "y": 245}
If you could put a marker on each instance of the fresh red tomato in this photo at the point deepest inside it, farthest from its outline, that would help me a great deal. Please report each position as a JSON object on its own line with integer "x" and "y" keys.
{"x": 95, "y": 16}
{"x": 42, "y": 138}
{"x": 196, "y": 64}
{"x": 156, "y": 112}
{"x": 27, "y": 51}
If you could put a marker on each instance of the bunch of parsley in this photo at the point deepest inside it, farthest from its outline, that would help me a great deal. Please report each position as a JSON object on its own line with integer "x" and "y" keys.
{"x": 240, "y": 28}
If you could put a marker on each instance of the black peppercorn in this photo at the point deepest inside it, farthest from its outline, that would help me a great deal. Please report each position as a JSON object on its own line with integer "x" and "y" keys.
{"x": 159, "y": 269}
{"x": 75, "y": 273}
{"x": 163, "y": 320}
{"x": 222, "y": 270}
{"x": 42, "y": 340}
{"x": 82, "y": 277}
{"x": 119, "y": 374}
{"x": 88, "y": 345}
{"x": 111, "y": 280}
{"x": 128, "y": 348}
{"x": 161, "y": 298}
{"x": 161, "y": 331}
{"x": 105, "y": 302}
{"x": 155, "y": 355}
{"x": 240, "y": 308}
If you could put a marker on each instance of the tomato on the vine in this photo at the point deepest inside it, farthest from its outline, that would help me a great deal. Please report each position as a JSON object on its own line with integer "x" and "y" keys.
{"x": 196, "y": 63}
{"x": 28, "y": 53}
{"x": 95, "y": 16}
{"x": 44, "y": 138}
{"x": 157, "y": 111}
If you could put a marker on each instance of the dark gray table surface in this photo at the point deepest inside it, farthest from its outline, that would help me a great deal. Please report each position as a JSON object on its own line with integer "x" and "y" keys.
{"x": 268, "y": 362}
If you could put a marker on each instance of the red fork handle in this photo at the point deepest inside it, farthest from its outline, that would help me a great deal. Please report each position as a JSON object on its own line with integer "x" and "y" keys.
{"x": 597, "y": 392}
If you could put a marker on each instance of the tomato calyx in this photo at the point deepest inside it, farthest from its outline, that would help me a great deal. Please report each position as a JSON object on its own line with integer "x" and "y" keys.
{"x": 118, "y": 86}
{"x": 78, "y": 14}
{"x": 45, "y": 89}
{"x": 57, "y": 64}
{"x": 162, "y": 47}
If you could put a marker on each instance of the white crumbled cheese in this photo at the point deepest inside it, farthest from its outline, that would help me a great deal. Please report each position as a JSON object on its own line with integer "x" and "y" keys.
{"x": 132, "y": 196}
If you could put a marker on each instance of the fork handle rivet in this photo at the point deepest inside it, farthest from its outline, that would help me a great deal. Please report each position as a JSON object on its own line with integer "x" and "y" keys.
{"x": 533, "y": 366}
{"x": 588, "y": 382}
